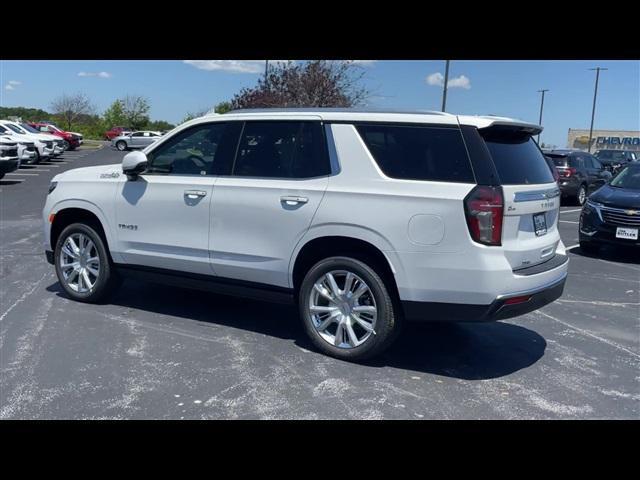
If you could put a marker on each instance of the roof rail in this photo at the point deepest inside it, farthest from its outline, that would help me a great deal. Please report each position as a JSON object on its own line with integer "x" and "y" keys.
{"x": 332, "y": 109}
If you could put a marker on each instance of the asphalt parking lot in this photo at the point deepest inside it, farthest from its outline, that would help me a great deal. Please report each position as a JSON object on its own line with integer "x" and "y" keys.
{"x": 160, "y": 352}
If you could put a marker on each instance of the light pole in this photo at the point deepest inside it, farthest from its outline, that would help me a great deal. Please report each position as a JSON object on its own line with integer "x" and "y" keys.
{"x": 593, "y": 110}
{"x": 541, "y": 107}
{"x": 266, "y": 70}
{"x": 444, "y": 89}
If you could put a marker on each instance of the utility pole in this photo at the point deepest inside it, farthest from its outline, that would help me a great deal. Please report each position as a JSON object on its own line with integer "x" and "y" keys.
{"x": 444, "y": 90}
{"x": 541, "y": 107}
{"x": 593, "y": 110}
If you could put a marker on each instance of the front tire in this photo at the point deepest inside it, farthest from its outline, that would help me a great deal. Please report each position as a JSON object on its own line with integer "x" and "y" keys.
{"x": 121, "y": 145}
{"x": 347, "y": 309}
{"x": 83, "y": 265}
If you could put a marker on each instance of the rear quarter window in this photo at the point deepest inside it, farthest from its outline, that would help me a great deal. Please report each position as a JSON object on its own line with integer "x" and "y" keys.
{"x": 418, "y": 152}
{"x": 517, "y": 158}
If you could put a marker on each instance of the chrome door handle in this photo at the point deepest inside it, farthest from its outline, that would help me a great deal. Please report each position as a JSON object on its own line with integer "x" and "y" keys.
{"x": 294, "y": 200}
{"x": 195, "y": 193}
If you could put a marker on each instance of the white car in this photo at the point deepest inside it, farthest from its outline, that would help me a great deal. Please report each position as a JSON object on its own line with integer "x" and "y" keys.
{"x": 364, "y": 219}
{"x": 138, "y": 139}
{"x": 27, "y": 148}
{"x": 9, "y": 159}
{"x": 46, "y": 145}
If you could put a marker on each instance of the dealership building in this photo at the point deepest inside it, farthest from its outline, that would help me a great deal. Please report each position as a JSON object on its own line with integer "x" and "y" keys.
{"x": 604, "y": 139}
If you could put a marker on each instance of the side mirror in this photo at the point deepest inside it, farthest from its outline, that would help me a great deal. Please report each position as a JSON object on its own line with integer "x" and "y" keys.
{"x": 133, "y": 164}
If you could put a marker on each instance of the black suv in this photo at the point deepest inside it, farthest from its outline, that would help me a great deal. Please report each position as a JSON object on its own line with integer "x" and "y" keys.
{"x": 616, "y": 160}
{"x": 580, "y": 173}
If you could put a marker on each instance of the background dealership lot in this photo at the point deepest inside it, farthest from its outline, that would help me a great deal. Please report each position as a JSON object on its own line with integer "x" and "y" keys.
{"x": 157, "y": 352}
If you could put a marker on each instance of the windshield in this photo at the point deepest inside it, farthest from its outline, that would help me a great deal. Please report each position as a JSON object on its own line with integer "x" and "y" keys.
{"x": 13, "y": 127}
{"x": 610, "y": 155}
{"x": 628, "y": 178}
{"x": 28, "y": 128}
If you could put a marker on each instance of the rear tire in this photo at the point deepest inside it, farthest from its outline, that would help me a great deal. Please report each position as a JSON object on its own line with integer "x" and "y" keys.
{"x": 83, "y": 266}
{"x": 352, "y": 317}
{"x": 581, "y": 194}
{"x": 121, "y": 145}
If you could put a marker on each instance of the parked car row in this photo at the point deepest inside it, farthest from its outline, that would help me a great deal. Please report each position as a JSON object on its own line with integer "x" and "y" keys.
{"x": 33, "y": 146}
{"x": 9, "y": 158}
{"x": 72, "y": 139}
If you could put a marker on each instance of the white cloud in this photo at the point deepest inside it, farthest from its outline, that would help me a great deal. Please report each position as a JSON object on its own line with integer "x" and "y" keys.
{"x": 235, "y": 66}
{"x": 437, "y": 79}
{"x": 12, "y": 84}
{"x": 364, "y": 63}
{"x": 95, "y": 74}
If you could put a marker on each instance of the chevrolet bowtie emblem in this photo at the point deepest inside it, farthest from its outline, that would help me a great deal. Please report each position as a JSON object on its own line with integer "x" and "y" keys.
{"x": 632, "y": 212}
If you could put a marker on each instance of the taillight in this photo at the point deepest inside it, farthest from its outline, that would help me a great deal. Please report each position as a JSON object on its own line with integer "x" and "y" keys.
{"x": 567, "y": 172}
{"x": 484, "y": 208}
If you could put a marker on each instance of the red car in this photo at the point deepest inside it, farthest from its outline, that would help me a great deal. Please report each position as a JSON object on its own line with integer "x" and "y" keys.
{"x": 116, "y": 132}
{"x": 73, "y": 141}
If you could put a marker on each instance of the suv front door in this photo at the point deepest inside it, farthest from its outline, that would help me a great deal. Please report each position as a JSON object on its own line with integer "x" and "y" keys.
{"x": 163, "y": 216}
{"x": 263, "y": 209}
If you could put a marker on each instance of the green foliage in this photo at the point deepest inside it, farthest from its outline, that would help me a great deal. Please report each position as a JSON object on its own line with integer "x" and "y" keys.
{"x": 160, "y": 126}
{"x": 27, "y": 114}
{"x": 223, "y": 107}
{"x": 130, "y": 111}
{"x": 114, "y": 116}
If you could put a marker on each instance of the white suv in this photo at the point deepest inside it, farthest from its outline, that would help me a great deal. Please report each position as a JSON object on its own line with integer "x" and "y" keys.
{"x": 363, "y": 218}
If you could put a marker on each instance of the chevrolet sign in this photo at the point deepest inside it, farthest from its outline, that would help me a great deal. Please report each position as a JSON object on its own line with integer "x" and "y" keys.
{"x": 618, "y": 141}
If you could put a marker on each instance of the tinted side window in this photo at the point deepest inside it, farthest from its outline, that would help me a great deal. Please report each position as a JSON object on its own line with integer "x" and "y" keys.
{"x": 418, "y": 153}
{"x": 205, "y": 149}
{"x": 282, "y": 150}
{"x": 576, "y": 162}
{"x": 518, "y": 159}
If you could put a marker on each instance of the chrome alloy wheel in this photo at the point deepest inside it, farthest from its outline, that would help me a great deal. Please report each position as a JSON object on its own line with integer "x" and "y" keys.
{"x": 79, "y": 262}
{"x": 582, "y": 195}
{"x": 343, "y": 309}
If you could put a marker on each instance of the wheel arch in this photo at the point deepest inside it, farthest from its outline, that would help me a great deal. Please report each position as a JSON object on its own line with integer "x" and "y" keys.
{"x": 80, "y": 212}
{"x": 314, "y": 249}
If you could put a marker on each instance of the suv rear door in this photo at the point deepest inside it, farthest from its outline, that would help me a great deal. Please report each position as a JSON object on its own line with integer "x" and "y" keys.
{"x": 531, "y": 196}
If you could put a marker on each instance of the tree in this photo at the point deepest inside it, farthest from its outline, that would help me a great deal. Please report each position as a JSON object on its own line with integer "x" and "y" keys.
{"x": 160, "y": 126}
{"x": 135, "y": 109}
{"x": 223, "y": 107}
{"x": 318, "y": 83}
{"x": 192, "y": 115}
{"x": 114, "y": 115}
{"x": 70, "y": 107}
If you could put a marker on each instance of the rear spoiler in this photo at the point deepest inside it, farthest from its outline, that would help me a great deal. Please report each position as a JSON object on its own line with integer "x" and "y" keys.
{"x": 525, "y": 128}
{"x": 506, "y": 124}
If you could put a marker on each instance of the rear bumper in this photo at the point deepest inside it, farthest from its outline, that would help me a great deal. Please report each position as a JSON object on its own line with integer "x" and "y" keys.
{"x": 568, "y": 187}
{"x": 497, "y": 310}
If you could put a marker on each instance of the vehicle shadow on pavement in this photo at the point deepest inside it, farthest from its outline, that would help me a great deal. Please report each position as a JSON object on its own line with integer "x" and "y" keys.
{"x": 9, "y": 182}
{"x": 612, "y": 254}
{"x": 464, "y": 351}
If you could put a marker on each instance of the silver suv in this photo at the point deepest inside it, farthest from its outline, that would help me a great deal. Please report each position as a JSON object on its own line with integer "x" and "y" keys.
{"x": 364, "y": 219}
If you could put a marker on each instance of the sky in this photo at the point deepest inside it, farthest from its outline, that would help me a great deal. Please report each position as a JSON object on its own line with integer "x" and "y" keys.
{"x": 506, "y": 88}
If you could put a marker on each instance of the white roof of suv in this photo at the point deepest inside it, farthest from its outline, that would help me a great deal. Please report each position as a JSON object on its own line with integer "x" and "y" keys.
{"x": 372, "y": 115}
